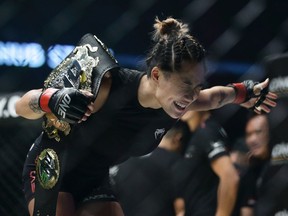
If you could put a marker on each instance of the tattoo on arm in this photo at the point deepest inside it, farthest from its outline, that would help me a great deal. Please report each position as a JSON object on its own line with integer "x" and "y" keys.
{"x": 222, "y": 97}
{"x": 34, "y": 105}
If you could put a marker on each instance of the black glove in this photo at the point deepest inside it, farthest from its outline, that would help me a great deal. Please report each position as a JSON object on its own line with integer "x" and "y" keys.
{"x": 66, "y": 104}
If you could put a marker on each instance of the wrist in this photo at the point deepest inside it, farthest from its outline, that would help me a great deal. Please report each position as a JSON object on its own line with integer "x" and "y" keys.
{"x": 240, "y": 92}
{"x": 45, "y": 98}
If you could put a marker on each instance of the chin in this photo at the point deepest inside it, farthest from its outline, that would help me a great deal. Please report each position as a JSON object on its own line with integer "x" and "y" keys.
{"x": 175, "y": 115}
{"x": 257, "y": 155}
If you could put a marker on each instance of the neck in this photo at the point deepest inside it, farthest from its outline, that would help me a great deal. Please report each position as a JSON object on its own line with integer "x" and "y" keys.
{"x": 146, "y": 94}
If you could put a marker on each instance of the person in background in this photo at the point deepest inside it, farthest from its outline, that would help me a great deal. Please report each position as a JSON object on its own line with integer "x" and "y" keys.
{"x": 240, "y": 158}
{"x": 147, "y": 185}
{"x": 273, "y": 188}
{"x": 257, "y": 139}
{"x": 210, "y": 180}
{"x": 267, "y": 176}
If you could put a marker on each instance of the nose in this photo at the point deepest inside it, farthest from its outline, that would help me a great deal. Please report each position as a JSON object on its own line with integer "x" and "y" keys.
{"x": 251, "y": 140}
{"x": 190, "y": 98}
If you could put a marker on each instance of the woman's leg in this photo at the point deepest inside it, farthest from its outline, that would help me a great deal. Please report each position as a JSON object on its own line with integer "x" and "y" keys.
{"x": 100, "y": 208}
{"x": 65, "y": 205}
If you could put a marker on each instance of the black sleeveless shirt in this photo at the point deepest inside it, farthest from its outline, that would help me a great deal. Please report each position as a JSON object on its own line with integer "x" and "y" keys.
{"x": 120, "y": 129}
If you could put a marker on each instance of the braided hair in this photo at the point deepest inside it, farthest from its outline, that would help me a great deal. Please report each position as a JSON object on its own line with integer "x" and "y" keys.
{"x": 172, "y": 45}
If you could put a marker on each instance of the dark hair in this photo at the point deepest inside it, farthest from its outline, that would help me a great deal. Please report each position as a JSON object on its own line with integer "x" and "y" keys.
{"x": 172, "y": 45}
{"x": 251, "y": 115}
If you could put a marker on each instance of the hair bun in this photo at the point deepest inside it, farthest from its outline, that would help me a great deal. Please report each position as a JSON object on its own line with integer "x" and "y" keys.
{"x": 169, "y": 27}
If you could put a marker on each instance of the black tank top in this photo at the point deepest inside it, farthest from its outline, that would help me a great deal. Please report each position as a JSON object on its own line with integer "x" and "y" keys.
{"x": 120, "y": 129}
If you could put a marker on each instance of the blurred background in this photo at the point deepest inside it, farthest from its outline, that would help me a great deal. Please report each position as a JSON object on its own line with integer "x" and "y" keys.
{"x": 35, "y": 35}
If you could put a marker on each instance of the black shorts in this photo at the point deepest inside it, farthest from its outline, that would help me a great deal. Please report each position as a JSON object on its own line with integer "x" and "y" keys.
{"x": 95, "y": 187}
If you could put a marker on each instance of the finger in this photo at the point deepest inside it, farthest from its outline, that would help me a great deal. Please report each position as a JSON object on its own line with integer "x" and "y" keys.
{"x": 91, "y": 107}
{"x": 263, "y": 108}
{"x": 257, "y": 110}
{"x": 269, "y": 102}
{"x": 260, "y": 87}
{"x": 72, "y": 119}
{"x": 84, "y": 118}
{"x": 87, "y": 93}
{"x": 88, "y": 113}
{"x": 272, "y": 95}
{"x": 265, "y": 83}
{"x": 74, "y": 115}
{"x": 260, "y": 100}
{"x": 83, "y": 98}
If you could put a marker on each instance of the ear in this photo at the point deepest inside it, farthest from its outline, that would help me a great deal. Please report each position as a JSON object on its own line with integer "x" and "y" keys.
{"x": 155, "y": 73}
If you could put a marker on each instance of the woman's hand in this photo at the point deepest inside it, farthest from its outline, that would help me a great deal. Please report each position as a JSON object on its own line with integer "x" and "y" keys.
{"x": 264, "y": 101}
{"x": 67, "y": 104}
{"x": 90, "y": 107}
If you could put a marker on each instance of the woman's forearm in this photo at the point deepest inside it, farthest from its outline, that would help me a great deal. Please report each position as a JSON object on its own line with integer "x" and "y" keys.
{"x": 220, "y": 96}
{"x": 227, "y": 193}
{"x": 214, "y": 98}
{"x": 28, "y": 106}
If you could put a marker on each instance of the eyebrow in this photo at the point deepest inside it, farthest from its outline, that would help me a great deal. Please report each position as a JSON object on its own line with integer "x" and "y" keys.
{"x": 201, "y": 85}
{"x": 188, "y": 82}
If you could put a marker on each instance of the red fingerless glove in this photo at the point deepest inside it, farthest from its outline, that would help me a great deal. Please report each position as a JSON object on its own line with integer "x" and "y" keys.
{"x": 45, "y": 98}
{"x": 240, "y": 92}
{"x": 243, "y": 91}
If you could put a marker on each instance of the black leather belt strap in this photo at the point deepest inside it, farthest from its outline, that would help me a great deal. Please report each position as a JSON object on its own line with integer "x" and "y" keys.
{"x": 46, "y": 197}
{"x": 83, "y": 68}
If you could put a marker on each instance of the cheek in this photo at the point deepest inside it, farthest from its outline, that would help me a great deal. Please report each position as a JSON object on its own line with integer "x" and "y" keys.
{"x": 166, "y": 90}
{"x": 160, "y": 95}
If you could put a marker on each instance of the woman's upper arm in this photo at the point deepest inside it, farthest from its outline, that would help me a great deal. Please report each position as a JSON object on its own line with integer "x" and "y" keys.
{"x": 103, "y": 92}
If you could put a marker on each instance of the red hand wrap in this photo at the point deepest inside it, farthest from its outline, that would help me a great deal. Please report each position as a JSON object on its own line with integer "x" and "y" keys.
{"x": 45, "y": 98}
{"x": 240, "y": 91}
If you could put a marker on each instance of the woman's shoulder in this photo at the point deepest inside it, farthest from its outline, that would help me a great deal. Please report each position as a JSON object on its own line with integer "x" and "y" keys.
{"x": 125, "y": 82}
{"x": 126, "y": 75}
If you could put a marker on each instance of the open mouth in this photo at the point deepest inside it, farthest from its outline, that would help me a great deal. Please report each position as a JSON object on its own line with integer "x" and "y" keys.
{"x": 180, "y": 106}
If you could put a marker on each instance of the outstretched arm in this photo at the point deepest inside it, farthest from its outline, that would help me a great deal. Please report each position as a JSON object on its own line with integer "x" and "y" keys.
{"x": 213, "y": 98}
{"x": 247, "y": 96}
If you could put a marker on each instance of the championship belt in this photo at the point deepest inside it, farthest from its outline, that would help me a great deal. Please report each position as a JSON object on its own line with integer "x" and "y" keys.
{"x": 82, "y": 69}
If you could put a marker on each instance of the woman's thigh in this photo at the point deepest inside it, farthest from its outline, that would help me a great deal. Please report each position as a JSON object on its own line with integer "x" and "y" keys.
{"x": 100, "y": 208}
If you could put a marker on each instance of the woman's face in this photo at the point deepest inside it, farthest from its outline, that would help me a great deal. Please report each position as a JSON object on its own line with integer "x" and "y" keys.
{"x": 177, "y": 91}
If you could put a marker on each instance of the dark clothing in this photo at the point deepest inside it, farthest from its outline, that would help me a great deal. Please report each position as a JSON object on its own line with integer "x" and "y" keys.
{"x": 145, "y": 186}
{"x": 273, "y": 187}
{"x": 265, "y": 185}
{"x": 200, "y": 183}
{"x": 120, "y": 129}
{"x": 247, "y": 192}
